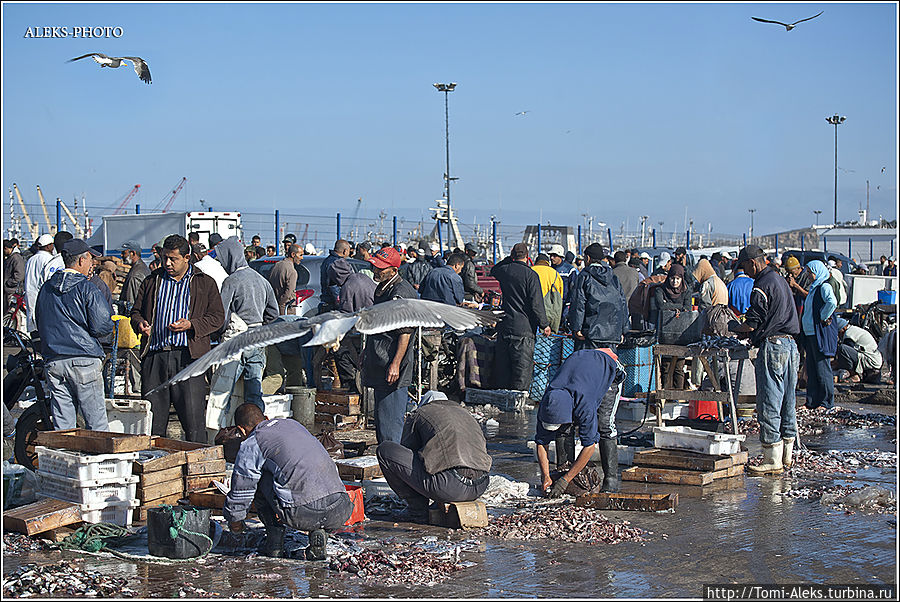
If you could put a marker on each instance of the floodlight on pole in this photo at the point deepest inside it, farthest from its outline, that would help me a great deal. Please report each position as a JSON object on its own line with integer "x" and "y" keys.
{"x": 446, "y": 89}
{"x": 835, "y": 120}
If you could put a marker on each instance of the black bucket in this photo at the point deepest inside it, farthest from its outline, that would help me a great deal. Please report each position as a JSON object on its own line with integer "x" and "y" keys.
{"x": 188, "y": 524}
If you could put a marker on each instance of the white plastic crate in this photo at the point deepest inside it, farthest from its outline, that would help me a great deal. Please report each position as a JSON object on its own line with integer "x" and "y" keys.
{"x": 705, "y": 442}
{"x": 97, "y": 491}
{"x": 131, "y": 416}
{"x": 117, "y": 513}
{"x": 84, "y": 467}
{"x": 278, "y": 406}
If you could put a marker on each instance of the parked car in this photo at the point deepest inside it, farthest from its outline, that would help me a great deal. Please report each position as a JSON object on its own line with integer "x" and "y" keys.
{"x": 805, "y": 257}
{"x": 309, "y": 287}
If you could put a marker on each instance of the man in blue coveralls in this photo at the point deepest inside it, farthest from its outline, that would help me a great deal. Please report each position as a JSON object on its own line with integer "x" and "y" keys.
{"x": 583, "y": 396}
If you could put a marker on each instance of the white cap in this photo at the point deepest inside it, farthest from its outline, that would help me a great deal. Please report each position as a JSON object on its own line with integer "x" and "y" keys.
{"x": 435, "y": 246}
{"x": 726, "y": 255}
{"x": 44, "y": 240}
{"x": 402, "y": 245}
{"x": 664, "y": 257}
{"x": 645, "y": 255}
{"x": 831, "y": 263}
{"x": 309, "y": 249}
{"x": 557, "y": 250}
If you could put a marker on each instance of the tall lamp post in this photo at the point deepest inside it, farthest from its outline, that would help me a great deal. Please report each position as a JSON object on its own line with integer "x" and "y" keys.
{"x": 752, "y": 211}
{"x": 446, "y": 89}
{"x": 835, "y": 120}
{"x": 817, "y": 212}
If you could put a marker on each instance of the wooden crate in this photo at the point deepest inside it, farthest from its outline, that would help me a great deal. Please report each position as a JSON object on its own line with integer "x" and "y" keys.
{"x": 357, "y": 469}
{"x": 206, "y": 467}
{"x": 193, "y": 452}
{"x": 203, "y": 481}
{"x": 350, "y": 410}
{"x": 687, "y": 460}
{"x": 332, "y": 398}
{"x": 43, "y": 515}
{"x": 673, "y": 476}
{"x": 459, "y": 515}
{"x": 95, "y": 442}
{"x": 210, "y": 498}
{"x": 160, "y": 476}
{"x": 140, "y": 513}
{"x": 172, "y": 459}
{"x": 147, "y": 493}
{"x": 642, "y": 502}
{"x": 342, "y": 421}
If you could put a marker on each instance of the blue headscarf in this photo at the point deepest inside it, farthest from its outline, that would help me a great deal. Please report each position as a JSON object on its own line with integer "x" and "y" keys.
{"x": 820, "y": 273}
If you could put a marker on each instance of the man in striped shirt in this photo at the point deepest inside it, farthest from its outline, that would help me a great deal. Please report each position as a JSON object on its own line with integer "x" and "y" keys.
{"x": 176, "y": 310}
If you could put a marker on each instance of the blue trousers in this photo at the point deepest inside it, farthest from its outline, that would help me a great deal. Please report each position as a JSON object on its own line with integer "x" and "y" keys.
{"x": 76, "y": 383}
{"x": 390, "y": 413}
{"x": 819, "y": 376}
{"x": 776, "y": 383}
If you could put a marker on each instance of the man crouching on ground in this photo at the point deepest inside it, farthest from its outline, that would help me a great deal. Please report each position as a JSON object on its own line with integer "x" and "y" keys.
{"x": 442, "y": 456}
{"x": 287, "y": 473}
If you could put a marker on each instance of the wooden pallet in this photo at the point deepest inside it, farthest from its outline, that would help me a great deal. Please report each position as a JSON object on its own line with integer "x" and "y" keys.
{"x": 342, "y": 421}
{"x": 353, "y": 471}
{"x": 673, "y": 476}
{"x": 641, "y": 502}
{"x": 160, "y": 476}
{"x": 335, "y": 398}
{"x": 202, "y": 481}
{"x": 687, "y": 460}
{"x": 43, "y": 515}
{"x": 95, "y": 442}
{"x": 348, "y": 410}
{"x": 207, "y": 467}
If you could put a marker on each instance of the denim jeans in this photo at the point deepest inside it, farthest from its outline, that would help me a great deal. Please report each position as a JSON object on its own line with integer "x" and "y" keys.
{"x": 390, "y": 413}
{"x": 819, "y": 376}
{"x": 76, "y": 382}
{"x": 251, "y": 365}
{"x": 776, "y": 383}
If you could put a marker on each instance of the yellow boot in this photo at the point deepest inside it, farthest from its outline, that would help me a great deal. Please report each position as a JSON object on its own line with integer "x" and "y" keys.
{"x": 788, "y": 459}
{"x": 772, "y": 460}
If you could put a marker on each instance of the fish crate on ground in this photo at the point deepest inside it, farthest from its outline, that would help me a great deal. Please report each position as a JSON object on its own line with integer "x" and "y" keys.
{"x": 705, "y": 442}
{"x": 549, "y": 354}
{"x": 359, "y": 469}
{"x": 681, "y": 467}
{"x": 331, "y": 404}
{"x": 131, "y": 416}
{"x": 84, "y": 466}
{"x": 117, "y": 513}
{"x": 505, "y": 400}
{"x": 94, "y": 491}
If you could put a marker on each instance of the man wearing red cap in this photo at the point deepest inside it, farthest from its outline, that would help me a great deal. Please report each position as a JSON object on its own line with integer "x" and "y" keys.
{"x": 387, "y": 359}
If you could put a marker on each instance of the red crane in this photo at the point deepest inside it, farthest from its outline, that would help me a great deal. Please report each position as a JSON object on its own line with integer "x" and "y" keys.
{"x": 121, "y": 208}
{"x": 173, "y": 194}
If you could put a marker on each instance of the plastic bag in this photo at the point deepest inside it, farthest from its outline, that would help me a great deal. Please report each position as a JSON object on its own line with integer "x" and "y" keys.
{"x": 334, "y": 447}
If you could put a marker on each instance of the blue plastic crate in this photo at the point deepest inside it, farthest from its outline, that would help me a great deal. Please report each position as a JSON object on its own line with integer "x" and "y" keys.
{"x": 638, "y": 364}
{"x": 887, "y": 297}
{"x": 549, "y": 354}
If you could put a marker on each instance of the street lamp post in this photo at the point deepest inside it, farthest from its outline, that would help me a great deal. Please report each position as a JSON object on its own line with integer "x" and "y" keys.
{"x": 817, "y": 212}
{"x": 835, "y": 120}
{"x": 752, "y": 211}
{"x": 446, "y": 89}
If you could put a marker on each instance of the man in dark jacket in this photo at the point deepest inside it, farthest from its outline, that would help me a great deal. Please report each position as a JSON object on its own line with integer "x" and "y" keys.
{"x": 442, "y": 456}
{"x": 627, "y": 275}
{"x": 468, "y": 274}
{"x": 283, "y": 278}
{"x": 176, "y": 310}
{"x": 444, "y": 284}
{"x": 583, "y": 396}
{"x": 290, "y": 477}
{"x": 415, "y": 268}
{"x": 13, "y": 271}
{"x": 387, "y": 359}
{"x": 598, "y": 316}
{"x": 524, "y": 314}
{"x": 131, "y": 255}
{"x": 71, "y": 314}
{"x": 330, "y": 290}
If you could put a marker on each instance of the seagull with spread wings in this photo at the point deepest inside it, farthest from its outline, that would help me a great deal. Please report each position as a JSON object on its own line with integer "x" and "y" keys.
{"x": 329, "y": 328}
{"x": 787, "y": 26}
{"x": 140, "y": 67}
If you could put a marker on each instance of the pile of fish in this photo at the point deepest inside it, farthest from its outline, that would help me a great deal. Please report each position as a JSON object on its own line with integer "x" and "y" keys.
{"x": 426, "y": 562}
{"x": 16, "y": 543}
{"x": 815, "y": 492}
{"x": 811, "y": 422}
{"x": 848, "y": 498}
{"x": 708, "y": 343}
{"x": 62, "y": 580}
{"x": 837, "y": 461}
{"x": 562, "y": 523}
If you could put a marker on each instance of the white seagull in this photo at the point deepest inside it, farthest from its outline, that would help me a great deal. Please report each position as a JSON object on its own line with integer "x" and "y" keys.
{"x": 140, "y": 67}
{"x": 521, "y": 113}
{"x": 329, "y": 328}
{"x": 787, "y": 26}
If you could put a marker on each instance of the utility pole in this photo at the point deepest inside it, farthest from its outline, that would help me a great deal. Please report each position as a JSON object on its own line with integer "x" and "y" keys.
{"x": 644, "y": 219}
{"x": 752, "y": 211}
{"x": 835, "y": 120}
{"x": 817, "y": 212}
{"x": 446, "y": 89}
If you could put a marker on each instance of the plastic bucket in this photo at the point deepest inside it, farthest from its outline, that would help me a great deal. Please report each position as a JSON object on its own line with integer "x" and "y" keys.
{"x": 303, "y": 405}
{"x": 703, "y": 409}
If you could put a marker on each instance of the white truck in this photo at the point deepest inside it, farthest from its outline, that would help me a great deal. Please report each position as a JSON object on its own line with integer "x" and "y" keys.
{"x": 150, "y": 228}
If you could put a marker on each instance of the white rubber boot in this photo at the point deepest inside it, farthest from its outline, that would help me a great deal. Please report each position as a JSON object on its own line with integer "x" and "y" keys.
{"x": 772, "y": 460}
{"x": 788, "y": 459}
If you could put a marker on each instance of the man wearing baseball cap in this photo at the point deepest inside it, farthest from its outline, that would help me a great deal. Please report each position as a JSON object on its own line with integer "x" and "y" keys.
{"x": 34, "y": 276}
{"x": 289, "y": 239}
{"x": 131, "y": 255}
{"x": 771, "y": 323}
{"x": 71, "y": 314}
{"x": 387, "y": 359}
{"x": 468, "y": 275}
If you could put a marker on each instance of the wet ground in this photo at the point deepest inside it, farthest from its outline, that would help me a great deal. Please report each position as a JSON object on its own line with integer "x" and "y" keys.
{"x": 740, "y": 530}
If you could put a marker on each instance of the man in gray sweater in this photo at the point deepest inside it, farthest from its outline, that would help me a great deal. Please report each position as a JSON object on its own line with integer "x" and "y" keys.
{"x": 249, "y": 301}
{"x": 442, "y": 455}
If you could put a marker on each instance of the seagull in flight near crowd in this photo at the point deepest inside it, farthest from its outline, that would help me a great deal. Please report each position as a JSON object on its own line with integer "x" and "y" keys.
{"x": 329, "y": 328}
{"x": 787, "y": 26}
{"x": 521, "y": 113}
{"x": 140, "y": 67}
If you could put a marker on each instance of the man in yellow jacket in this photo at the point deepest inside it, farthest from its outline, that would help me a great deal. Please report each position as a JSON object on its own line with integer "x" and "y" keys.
{"x": 551, "y": 289}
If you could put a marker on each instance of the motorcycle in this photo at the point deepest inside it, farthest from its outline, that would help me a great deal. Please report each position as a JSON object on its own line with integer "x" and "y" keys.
{"x": 26, "y": 369}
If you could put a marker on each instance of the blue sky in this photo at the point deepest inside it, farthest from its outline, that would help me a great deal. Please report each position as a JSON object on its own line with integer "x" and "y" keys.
{"x": 633, "y": 108}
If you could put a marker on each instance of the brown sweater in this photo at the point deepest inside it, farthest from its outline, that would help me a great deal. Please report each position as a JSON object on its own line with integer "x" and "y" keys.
{"x": 205, "y": 311}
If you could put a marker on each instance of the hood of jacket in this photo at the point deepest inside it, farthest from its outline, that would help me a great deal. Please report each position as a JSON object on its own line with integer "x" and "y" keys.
{"x": 230, "y": 254}
{"x": 601, "y": 273}
{"x": 556, "y": 407}
{"x": 63, "y": 281}
{"x": 339, "y": 271}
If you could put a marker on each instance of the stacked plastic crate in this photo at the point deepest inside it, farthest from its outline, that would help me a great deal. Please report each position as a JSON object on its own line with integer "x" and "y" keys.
{"x": 549, "y": 354}
{"x": 101, "y": 484}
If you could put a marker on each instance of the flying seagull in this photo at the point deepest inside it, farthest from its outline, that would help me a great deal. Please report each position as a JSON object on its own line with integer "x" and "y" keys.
{"x": 787, "y": 26}
{"x": 522, "y": 113}
{"x": 140, "y": 67}
{"x": 329, "y": 328}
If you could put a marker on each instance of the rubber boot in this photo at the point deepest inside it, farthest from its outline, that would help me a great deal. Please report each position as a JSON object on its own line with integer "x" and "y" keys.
{"x": 416, "y": 511}
{"x": 565, "y": 446}
{"x": 772, "y": 459}
{"x": 318, "y": 542}
{"x": 788, "y": 458}
{"x": 274, "y": 545}
{"x": 609, "y": 460}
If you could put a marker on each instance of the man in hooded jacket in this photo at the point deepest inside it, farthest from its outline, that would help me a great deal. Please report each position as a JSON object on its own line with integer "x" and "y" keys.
{"x": 357, "y": 291}
{"x": 598, "y": 315}
{"x": 249, "y": 301}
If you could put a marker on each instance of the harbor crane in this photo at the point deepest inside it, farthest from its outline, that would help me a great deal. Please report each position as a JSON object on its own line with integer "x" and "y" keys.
{"x": 72, "y": 218}
{"x": 121, "y": 208}
{"x": 173, "y": 194}
{"x": 32, "y": 227}
{"x": 51, "y": 227}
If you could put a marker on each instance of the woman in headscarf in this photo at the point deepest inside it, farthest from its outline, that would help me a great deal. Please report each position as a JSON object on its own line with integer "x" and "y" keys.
{"x": 820, "y": 337}
{"x": 712, "y": 289}
{"x": 107, "y": 273}
{"x": 673, "y": 295}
